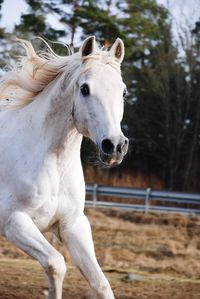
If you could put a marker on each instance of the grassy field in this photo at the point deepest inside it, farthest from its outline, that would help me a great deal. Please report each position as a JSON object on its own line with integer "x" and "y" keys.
{"x": 144, "y": 256}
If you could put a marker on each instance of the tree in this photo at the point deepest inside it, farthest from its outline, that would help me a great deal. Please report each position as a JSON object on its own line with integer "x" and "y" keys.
{"x": 192, "y": 168}
{"x": 34, "y": 22}
{"x": 3, "y": 44}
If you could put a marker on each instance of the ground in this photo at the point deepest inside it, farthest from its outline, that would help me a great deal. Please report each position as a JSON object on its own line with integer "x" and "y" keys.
{"x": 144, "y": 256}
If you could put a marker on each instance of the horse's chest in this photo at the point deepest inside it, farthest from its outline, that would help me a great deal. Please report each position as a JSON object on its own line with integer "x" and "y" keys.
{"x": 36, "y": 187}
{"x": 54, "y": 196}
{"x": 45, "y": 190}
{"x": 45, "y": 216}
{"x": 64, "y": 206}
{"x": 39, "y": 198}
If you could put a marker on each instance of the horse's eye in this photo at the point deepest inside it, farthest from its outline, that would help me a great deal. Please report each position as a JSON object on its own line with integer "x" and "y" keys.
{"x": 85, "y": 90}
{"x": 125, "y": 92}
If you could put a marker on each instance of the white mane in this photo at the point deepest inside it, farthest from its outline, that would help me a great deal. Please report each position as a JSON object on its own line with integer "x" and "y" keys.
{"x": 34, "y": 71}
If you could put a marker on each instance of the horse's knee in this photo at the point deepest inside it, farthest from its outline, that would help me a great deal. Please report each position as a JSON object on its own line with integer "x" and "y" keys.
{"x": 56, "y": 266}
{"x": 101, "y": 291}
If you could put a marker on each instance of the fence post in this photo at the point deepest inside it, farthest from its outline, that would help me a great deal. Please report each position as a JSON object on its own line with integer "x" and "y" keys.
{"x": 147, "y": 198}
{"x": 94, "y": 195}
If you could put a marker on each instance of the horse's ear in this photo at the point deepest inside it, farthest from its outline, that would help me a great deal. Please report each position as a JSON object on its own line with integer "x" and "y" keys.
{"x": 89, "y": 46}
{"x": 117, "y": 50}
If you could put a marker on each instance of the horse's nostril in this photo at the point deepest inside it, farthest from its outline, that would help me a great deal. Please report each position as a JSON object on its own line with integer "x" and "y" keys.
{"x": 123, "y": 147}
{"x": 119, "y": 148}
{"x": 126, "y": 145}
{"x": 107, "y": 146}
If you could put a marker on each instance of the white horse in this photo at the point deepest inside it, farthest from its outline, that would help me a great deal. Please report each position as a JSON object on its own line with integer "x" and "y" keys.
{"x": 59, "y": 99}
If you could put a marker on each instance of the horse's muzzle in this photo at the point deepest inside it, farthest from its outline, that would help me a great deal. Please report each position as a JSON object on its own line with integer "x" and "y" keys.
{"x": 112, "y": 154}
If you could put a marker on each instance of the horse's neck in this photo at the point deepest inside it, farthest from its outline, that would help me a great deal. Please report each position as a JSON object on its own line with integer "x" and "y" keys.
{"x": 55, "y": 108}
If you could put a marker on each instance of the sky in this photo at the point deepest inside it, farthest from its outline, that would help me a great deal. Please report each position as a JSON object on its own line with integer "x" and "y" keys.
{"x": 11, "y": 12}
{"x": 184, "y": 13}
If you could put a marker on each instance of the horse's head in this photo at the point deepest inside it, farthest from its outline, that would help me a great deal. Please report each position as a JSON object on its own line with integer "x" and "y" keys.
{"x": 99, "y": 104}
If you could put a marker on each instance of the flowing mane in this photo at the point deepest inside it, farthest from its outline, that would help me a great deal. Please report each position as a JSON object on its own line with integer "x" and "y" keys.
{"x": 32, "y": 72}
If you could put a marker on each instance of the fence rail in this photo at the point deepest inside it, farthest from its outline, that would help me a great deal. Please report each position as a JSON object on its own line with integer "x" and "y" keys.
{"x": 143, "y": 199}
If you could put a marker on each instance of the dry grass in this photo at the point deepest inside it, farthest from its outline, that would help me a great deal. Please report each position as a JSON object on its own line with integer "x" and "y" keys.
{"x": 163, "y": 248}
{"x": 102, "y": 176}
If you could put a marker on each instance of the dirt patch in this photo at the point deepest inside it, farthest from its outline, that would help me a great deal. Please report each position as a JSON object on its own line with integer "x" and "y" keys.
{"x": 144, "y": 256}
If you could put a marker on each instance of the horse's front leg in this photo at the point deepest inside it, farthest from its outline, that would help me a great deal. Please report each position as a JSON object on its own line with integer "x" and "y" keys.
{"x": 21, "y": 231}
{"x": 78, "y": 239}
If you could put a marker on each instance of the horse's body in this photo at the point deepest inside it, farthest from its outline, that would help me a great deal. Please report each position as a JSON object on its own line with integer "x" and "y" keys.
{"x": 41, "y": 180}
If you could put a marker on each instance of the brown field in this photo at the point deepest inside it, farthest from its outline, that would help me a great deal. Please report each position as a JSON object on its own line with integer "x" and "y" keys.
{"x": 144, "y": 256}
{"x": 101, "y": 176}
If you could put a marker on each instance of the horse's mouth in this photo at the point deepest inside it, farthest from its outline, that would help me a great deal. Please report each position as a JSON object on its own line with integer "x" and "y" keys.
{"x": 110, "y": 160}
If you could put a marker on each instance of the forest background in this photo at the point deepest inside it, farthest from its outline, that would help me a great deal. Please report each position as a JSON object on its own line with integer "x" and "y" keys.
{"x": 162, "y": 109}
